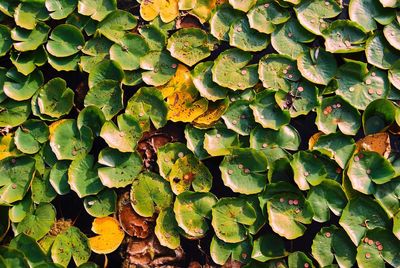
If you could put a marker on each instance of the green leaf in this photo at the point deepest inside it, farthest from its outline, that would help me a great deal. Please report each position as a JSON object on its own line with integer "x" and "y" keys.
{"x": 231, "y": 70}
{"x": 268, "y": 247}
{"x": 221, "y": 20}
{"x": 188, "y": 172}
{"x": 246, "y": 38}
{"x": 148, "y": 103}
{"x": 67, "y": 141}
{"x": 244, "y": 171}
{"x": 42, "y": 190}
{"x": 336, "y": 146}
{"x": 380, "y": 53}
{"x": 317, "y": 66}
{"x": 332, "y": 243}
{"x": 360, "y": 215}
{"x": 27, "y": 14}
{"x": 105, "y": 70}
{"x": 115, "y": 24}
{"x": 55, "y": 99}
{"x": 193, "y": 212}
{"x": 59, "y": 177}
{"x": 360, "y": 86}
{"x": 315, "y": 15}
{"x": 267, "y": 113}
{"x": 92, "y": 117}
{"x": 159, "y": 67}
{"x": 20, "y": 87}
{"x": 221, "y": 251}
{"x": 71, "y": 243}
{"x": 289, "y": 39}
{"x": 102, "y": 204}
{"x": 150, "y": 193}
{"x": 82, "y": 176}
{"x": 38, "y": 222}
{"x": 244, "y": 5}
{"x": 106, "y": 95}
{"x": 27, "y": 62}
{"x": 66, "y": 40}
{"x": 6, "y": 41}
{"x": 379, "y": 246}
{"x": 60, "y": 9}
{"x": 14, "y": 113}
{"x": 20, "y": 209}
{"x": 367, "y": 169}
{"x": 285, "y": 137}
{"x": 30, "y": 248}
{"x": 379, "y": 116}
{"x": 344, "y": 36}
{"x": 195, "y": 139}
{"x": 287, "y": 210}
{"x": 26, "y": 40}
{"x": 326, "y": 197}
{"x": 168, "y": 154}
{"x": 118, "y": 168}
{"x": 128, "y": 51}
{"x": 15, "y": 177}
{"x": 334, "y": 113}
{"x": 96, "y": 9}
{"x": 10, "y": 257}
{"x": 394, "y": 74}
{"x": 220, "y": 141}
{"x": 124, "y": 137}
{"x": 190, "y": 45}
{"x": 299, "y": 259}
{"x": 369, "y": 13}
{"x": 277, "y": 72}
{"x": 30, "y": 135}
{"x": 265, "y": 16}
{"x": 230, "y": 216}
{"x": 388, "y": 196}
{"x": 166, "y": 229}
{"x": 391, "y": 31}
{"x": 239, "y": 117}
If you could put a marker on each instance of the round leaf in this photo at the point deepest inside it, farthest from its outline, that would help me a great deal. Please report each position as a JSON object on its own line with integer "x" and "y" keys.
{"x": 66, "y": 40}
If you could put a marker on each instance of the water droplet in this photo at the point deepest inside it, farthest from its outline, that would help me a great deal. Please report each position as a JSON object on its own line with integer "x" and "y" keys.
{"x": 371, "y": 91}
{"x": 290, "y": 75}
{"x": 240, "y": 166}
{"x": 370, "y": 242}
{"x": 327, "y": 3}
{"x": 306, "y": 174}
{"x": 379, "y": 92}
{"x": 281, "y": 199}
{"x": 234, "y": 122}
{"x": 306, "y": 265}
{"x": 290, "y": 35}
{"x": 367, "y": 255}
{"x": 218, "y": 135}
{"x": 295, "y": 202}
{"x": 230, "y": 171}
{"x": 368, "y": 81}
{"x": 301, "y": 89}
{"x": 284, "y": 71}
{"x": 181, "y": 154}
{"x": 351, "y": 89}
{"x": 174, "y": 65}
{"x": 91, "y": 203}
{"x": 373, "y": 74}
{"x": 244, "y": 72}
{"x": 246, "y": 170}
{"x": 14, "y": 186}
{"x": 166, "y": 159}
{"x": 338, "y": 105}
{"x": 368, "y": 171}
{"x": 380, "y": 247}
{"x": 266, "y": 5}
{"x": 290, "y": 202}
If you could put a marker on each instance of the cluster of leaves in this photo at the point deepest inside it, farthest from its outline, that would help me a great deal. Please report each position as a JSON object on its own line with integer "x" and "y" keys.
{"x": 239, "y": 79}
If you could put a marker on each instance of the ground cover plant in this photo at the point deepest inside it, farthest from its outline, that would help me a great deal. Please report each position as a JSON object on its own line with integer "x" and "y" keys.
{"x": 200, "y": 133}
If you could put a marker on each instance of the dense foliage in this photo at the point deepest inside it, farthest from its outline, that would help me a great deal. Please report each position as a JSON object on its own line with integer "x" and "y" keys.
{"x": 289, "y": 116}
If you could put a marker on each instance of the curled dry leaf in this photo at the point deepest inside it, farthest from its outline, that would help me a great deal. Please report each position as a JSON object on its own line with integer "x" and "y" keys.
{"x": 132, "y": 223}
{"x": 109, "y": 236}
{"x": 379, "y": 142}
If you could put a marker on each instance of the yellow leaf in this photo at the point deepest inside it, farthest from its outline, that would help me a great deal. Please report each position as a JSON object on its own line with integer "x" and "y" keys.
{"x": 212, "y": 115}
{"x": 109, "y": 237}
{"x": 149, "y": 9}
{"x": 183, "y": 108}
{"x": 314, "y": 138}
{"x": 167, "y": 9}
{"x": 181, "y": 81}
{"x": 202, "y": 9}
{"x": 7, "y": 146}
{"x": 379, "y": 142}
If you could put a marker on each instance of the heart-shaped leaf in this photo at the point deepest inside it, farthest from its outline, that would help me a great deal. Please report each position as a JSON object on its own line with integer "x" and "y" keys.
{"x": 380, "y": 53}
{"x": 26, "y": 40}
{"x": 360, "y": 215}
{"x": 369, "y": 13}
{"x": 42, "y": 191}
{"x": 15, "y": 177}
{"x": 189, "y": 172}
{"x": 231, "y": 70}
{"x": 244, "y": 171}
{"x": 221, "y": 20}
{"x": 268, "y": 247}
{"x": 168, "y": 10}
{"x": 120, "y": 168}
{"x": 159, "y": 67}
{"x": 166, "y": 229}
{"x": 65, "y": 40}
{"x": 334, "y": 113}
{"x": 221, "y": 251}
{"x": 59, "y": 177}
{"x": 71, "y": 243}
{"x": 114, "y": 26}
{"x": 30, "y": 248}
{"x": 265, "y": 16}
{"x": 57, "y": 13}
{"x": 92, "y": 117}
{"x": 220, "y": 141}
{"x": 14, "y": 113}
{"x": 6, "y": 41}
{"x": 105, "y": 70}
{"x": 38, "y": 222}
{"x": 239, "y": 117}
{"x": 67, "y": 141}
{"x": 96, "y": 9}
{"x": 124, "y": 137}
{"x": 378, "y": 116}
{"x": 102, "y": 204}
{"x": 168, "y": 154}
{"x": 82, "y": 176}
{"x": 109, "y": 236}
{"x": 391, "y": 31}
{"x": 30, "y": 135}
{"x": 150, "y": 193}
{"x": 230, "y": 216}
{"x": 192, "y": 212}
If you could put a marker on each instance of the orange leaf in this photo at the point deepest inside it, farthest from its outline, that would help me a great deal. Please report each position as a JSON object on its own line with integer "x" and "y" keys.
{"x": 109, "y": 237}
{"x": 212, "y": 115}
{"x": 181, "y": 81}
{"x": 183, "y": 108}
{"x": 379, "y": 142}
{"x": 314, "y": 138}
